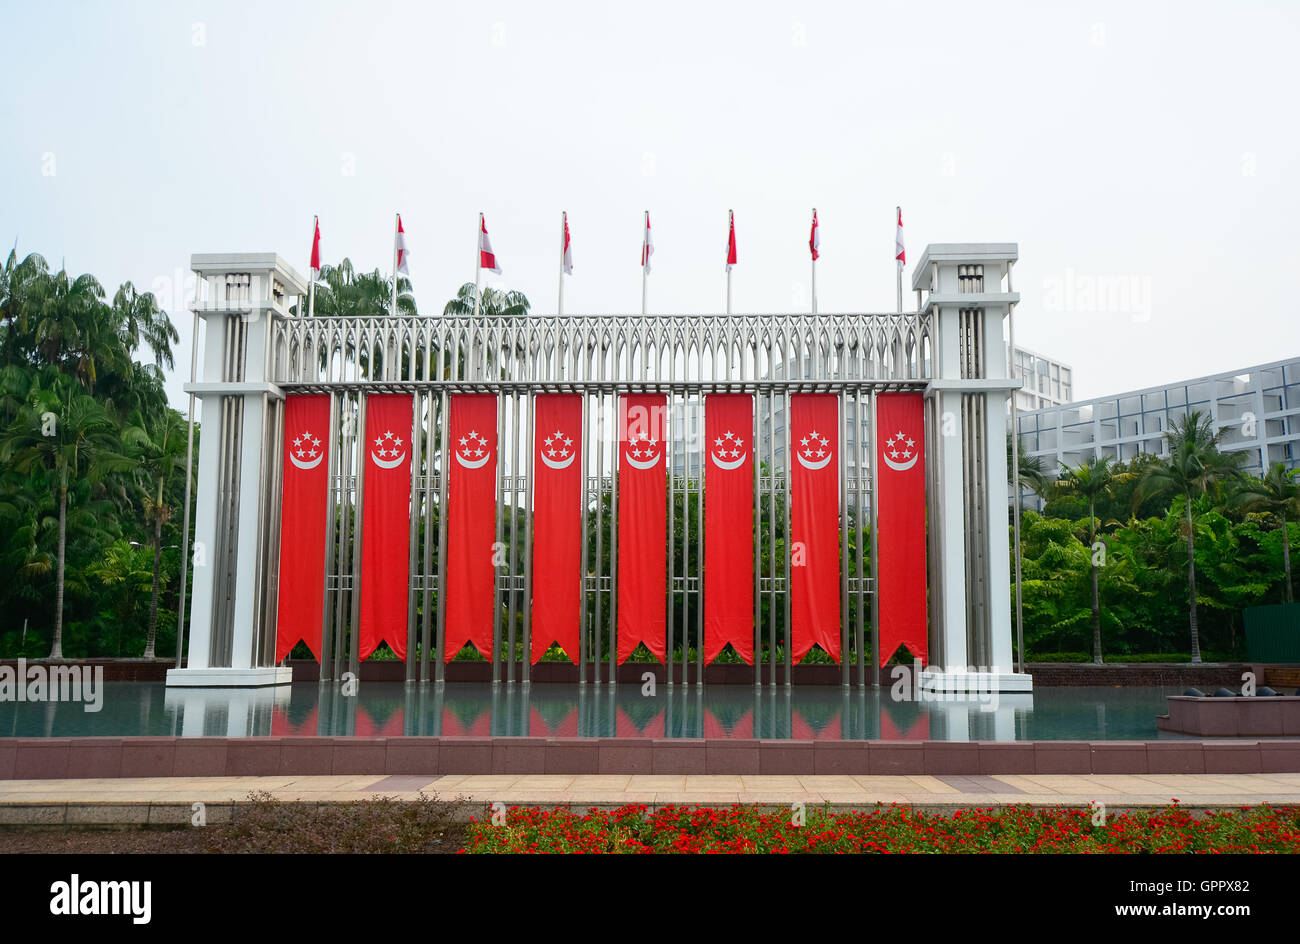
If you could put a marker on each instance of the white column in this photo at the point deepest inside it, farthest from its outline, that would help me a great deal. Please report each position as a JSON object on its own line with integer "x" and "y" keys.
{"x": 951, "y": 499}
{"x": 995, "y": 446}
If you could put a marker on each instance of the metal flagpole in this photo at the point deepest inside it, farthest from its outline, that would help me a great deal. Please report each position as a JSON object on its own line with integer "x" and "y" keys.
{"x": 731, "y": 223}
{"x": 900, "y": 269}
{"x": 392, "y": 308}
{"x": 564, "y": 228}
{"x": 645, "y": 261}
{"x": 478, "y": 265}
{"x": 189, "y": 478}
{"x": 814, "y": 273}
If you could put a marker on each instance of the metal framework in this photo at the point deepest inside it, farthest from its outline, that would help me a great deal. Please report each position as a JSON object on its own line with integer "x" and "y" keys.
{"x": 685, "y": 357}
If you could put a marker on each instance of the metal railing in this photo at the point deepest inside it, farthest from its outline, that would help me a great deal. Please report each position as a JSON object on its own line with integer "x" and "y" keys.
{"x": 685, "y": 357}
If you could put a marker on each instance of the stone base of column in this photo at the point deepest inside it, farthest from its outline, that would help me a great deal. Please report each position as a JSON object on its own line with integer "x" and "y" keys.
{"x": 966, "y": 681}
{"x": 230, "y": 678}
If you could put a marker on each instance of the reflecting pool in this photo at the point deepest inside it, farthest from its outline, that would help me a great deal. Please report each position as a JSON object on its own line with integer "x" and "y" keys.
{"x": 566, "y": 710}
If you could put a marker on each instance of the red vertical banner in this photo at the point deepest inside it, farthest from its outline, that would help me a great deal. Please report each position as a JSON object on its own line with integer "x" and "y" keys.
{"x": 386, "y": 523}
{"x": 642, "y": 523}
{"x": 471, "y": 522}
{"x": 900, "y": 523}
{"x": 303, "y": 516}
{"x": 814, "y": 524}
{"x": 557, "y": 523}
{"x": 729, "y": 525}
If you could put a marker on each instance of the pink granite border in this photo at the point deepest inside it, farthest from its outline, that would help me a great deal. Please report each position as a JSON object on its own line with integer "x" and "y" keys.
{"x": 94, "y": 758}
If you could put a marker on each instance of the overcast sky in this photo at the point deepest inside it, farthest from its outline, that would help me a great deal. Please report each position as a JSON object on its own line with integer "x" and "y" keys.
{"x": 1152, "y": 146}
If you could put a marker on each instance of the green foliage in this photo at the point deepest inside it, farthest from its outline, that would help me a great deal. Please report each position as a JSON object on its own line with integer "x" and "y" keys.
{"x": 88, "y": 457}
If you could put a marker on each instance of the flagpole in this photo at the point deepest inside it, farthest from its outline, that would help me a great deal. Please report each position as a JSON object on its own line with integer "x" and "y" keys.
{"x": 645, "y": 258}
{"x": 731, "y": 226}
{"x": 393, "y": 305}
{"x": 311, "y": 281}
{"x": 899, "y": 216}
{"x": 564, "y": 221}
{"x": 478, "y": 264}
{"x": 814, "y": 273}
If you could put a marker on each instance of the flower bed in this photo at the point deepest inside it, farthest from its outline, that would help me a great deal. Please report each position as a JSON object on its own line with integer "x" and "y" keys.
{"x": 893, "y": 829}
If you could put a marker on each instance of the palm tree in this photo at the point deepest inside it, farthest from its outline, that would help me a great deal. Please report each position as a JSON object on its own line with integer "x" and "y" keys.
{"x": 141, "y": 322}
{"x": 1194, "y": 465}
{"x": 67, "y": 433}
{"x": 493, "y": 304}
{"x": 159, "y": 441}
{"x": 1277, "y": 493}
{"x": 60, "y": 313}
{"x": 17, "y": 280}
{"x": 1090, "y": 481}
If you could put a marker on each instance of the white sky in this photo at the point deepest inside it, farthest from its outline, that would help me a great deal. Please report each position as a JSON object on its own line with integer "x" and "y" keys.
{"x": 1154, "y": 143}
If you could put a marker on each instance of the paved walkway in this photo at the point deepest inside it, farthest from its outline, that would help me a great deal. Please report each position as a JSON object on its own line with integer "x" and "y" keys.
{"x": 169, "y": 799}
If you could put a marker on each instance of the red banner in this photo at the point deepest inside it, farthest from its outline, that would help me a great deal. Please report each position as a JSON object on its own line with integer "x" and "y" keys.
{"x": 814, "y": 523}
{"x": 303, "y": 516}
{"x": 386, "y": 523}
{"x": 900, "y": 523}
{"x": 557, "y": 523}
{"x": 471, "y": 522}
{"x": 642, "y": 523}
{"x": 729, "y": 525}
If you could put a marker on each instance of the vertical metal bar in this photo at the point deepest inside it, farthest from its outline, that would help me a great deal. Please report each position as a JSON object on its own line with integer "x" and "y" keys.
{"x": 342, "y": 598}
{"x": 600, "y": 543}
{"x": 416, "y": 458}
{"x": 1015, "y": 473}
{"x": 670, "y": 457}
{"x": 440, "y": 664}
{"x": 331, "y": 500}
{"x": 354, "y": 650}
{"x": 586, "y": 496}
{"x": 756, "y": 536}
{"x": 514, "y": 527}
{"x": 771, "y": 532}
{"x": 844, "y": 530}
{"x": 613, "y": 568}
{"x": 431, "y": 455}
{"x": 875, "y": 546}
{"x": 496, "y": 571}
{"x": 787, "y": 492}
{"x": 859, "y": 520}
{"x": 686, "y": 535}
{"x": 189, "y": 478}
{"x": 530, "y": 406}
{"x": 698, "y": 436}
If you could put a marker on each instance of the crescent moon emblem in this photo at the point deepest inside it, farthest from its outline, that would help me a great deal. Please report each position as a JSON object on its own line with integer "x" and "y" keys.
{"x": 901, "y": 466}
{"x": 306, "y": 465}
{"x": 814, "y": 464}
{"x": 641, "y": 464}
{"x": 559, "y": 463}
{"x": 728, "y": 463}
{"x": 388, "y": 463}
{"x": 474, "y": 463}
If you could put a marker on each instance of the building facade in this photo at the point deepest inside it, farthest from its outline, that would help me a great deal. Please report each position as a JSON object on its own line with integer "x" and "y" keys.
{"x": 1047, "y": 382}
{"x": 1257, "y": 409}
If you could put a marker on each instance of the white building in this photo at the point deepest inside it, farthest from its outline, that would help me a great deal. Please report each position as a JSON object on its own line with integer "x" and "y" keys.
{"x": 1257, "y": 409}
{"x": 1047, "y": 382}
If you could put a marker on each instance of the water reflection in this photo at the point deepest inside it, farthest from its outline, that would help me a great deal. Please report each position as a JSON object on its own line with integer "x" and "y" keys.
{"x": 478, "y": 710}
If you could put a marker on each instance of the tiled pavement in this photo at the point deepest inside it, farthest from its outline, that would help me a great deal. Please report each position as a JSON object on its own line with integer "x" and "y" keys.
{"x": 169, "y": 799}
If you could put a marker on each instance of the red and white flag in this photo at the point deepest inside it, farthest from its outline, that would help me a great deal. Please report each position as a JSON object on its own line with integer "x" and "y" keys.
{"x": 486, "y": 258}
{"x": 900, "y": 524}
{"x": 647, "y": 246}
{"x": 814, "y": 524}
{"x": 899, "y": 254}
{"x": 304, "y": 512}
{"x": 315, "y": 251}
{"x": 567, "y": 259}
{"x": 402, "y": 253}
{"x": 386, "y": 524}
{"x": 815, "y": 239}
{"x": 731, "y": 242}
